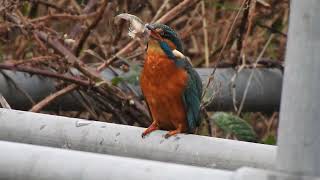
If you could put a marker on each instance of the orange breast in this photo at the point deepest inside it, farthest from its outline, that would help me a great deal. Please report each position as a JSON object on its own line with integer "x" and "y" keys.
{"x": 163, "y": 84}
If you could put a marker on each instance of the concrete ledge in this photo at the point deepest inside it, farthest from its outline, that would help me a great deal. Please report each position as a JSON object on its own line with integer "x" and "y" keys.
{"x": 30, "y": 162}
{"x": 92, "y": 136}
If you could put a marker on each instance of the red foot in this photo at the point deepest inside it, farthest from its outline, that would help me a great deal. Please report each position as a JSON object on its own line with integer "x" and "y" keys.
{"x": 171, "y": 133}
{"x": 151, "y": 128}
{"x": 174, "y": 132}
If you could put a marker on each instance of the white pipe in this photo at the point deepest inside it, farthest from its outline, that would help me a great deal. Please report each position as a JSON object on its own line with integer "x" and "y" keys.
{"x": 298, "y": 140}
{"x": 30, "y": 162}
{"x": 92, "y": 136}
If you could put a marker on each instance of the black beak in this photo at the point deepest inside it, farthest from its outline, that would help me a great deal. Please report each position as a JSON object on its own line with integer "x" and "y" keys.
{"x": 154, "y": 33}
{"x": 150, "y": 27}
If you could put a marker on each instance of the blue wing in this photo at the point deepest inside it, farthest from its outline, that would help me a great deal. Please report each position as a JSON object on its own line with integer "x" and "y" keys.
{"x": 192, "y": 94}
{"x": 192, "y": 97}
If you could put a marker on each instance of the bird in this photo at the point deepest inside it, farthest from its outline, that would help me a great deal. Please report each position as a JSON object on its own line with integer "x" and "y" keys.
{"x": 171, "y": 86}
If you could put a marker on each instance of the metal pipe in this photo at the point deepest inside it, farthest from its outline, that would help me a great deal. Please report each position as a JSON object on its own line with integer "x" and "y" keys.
{"x": 114, "y": 139}
{"x": 30, "y": 162}
{"x": 263, "y": 93}
{"x": 298, "y": 140}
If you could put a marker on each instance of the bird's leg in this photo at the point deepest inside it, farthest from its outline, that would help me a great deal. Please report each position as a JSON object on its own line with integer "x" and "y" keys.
{"x": 171, "y": 133}
{"x": 154, "y": 126}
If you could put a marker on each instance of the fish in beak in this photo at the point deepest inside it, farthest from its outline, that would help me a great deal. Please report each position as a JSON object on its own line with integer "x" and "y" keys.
{"x": 137, "y": 28}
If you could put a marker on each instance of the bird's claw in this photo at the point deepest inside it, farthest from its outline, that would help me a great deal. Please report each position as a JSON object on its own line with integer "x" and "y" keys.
{"x": 143, "y": 135}
{"x": 150, "y": 129}
{"x": 172, "y": 133}
{"x": 166, "y": 136}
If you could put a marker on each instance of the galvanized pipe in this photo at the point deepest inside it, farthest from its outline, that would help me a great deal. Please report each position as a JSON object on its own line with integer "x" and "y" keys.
{"x": 114, "y": 139}
{"x": 299, "y": 141}
{"x": 30, "y": 162}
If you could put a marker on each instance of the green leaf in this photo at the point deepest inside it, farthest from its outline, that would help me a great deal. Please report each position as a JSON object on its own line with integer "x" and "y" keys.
{"x": 132, "y": 77}
{"x": 26, "y": 7}
{"x": 271, "y": 139}
{"x": 115, "y": 81}
{"x": 235, "y": 125}
{"x": 81, "y": 2}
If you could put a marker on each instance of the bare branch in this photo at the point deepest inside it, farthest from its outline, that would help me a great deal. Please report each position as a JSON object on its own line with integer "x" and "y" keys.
{"x": 49, "y": 99}
{"x": 170, "y": 15}
{"x": 4, "y": 103}
{"x": 88, "y": 30}
{"x": 45, "y": 73}
{"x": 63, "y": 16}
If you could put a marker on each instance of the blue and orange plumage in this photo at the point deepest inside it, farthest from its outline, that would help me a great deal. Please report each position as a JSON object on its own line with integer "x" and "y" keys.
{"x": 172, "y": 88}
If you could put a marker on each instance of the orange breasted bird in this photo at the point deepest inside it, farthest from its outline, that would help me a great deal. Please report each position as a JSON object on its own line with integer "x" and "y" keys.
{"x": 171, "y": 87}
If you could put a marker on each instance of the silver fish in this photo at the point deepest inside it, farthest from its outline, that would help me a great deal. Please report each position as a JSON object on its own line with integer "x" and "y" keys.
{"x": 137, "y": 27}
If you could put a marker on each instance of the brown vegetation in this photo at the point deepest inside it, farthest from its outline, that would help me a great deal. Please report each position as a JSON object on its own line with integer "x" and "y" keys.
{"x": 50, "y": 38}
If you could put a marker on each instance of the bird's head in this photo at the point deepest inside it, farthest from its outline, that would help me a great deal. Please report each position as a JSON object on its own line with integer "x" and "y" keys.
{"x": 157, "y": 35}
{"x": 164, "y": 34}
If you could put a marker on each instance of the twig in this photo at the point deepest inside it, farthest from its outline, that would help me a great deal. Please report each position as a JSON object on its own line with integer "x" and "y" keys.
{"x": 49, "y": 99}
{"x": 31, "y": 60}
{"x": 45, "y": 73}
{"x": 252, "y": 72}
{"x": 250, "y": 13}
{"x": 233, "y": 85}
{"x": 76, "y": 6}
{"x": 112, "y": 109}
{"x": 205, "y": 33}
{"x": 86, "y": 104}
{"x": 4, "y": 103}
{"x": 87, "y": 31}
{"x": 129, "y": 47}
{"x": 213, "y": 53}
{"x": 40, "y": 43}
{"x": 272, "y": 64}
{"x": 101, "y": 45}
{"x": 210, "y": 78}
{"x": 208, "y": 121}
{"x": 137, "y": 105}
{"x": 77, "y": 29}
{"x": 242, "y": 30}
{"x": 271, "y": 29}
{"x": 49, "y": 4}
{"x": 170, "y": 15}
{"x": 62, "y": 16}
{"x": 263, "y": 3}
{"x": 9, "y": 5}
{"x": 61, "y": 49}
{"x": 115, "y": 99}
{"x": 94, "y": 54}
{"x": 178, "y": 9}
{"x": 162, "y": 7}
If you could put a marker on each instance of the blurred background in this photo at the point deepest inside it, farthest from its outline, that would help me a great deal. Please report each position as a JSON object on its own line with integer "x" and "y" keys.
{"x": 71, "y": 41}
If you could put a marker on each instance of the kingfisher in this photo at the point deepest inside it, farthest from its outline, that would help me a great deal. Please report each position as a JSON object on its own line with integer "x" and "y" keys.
{"x": 170, "y": 85}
